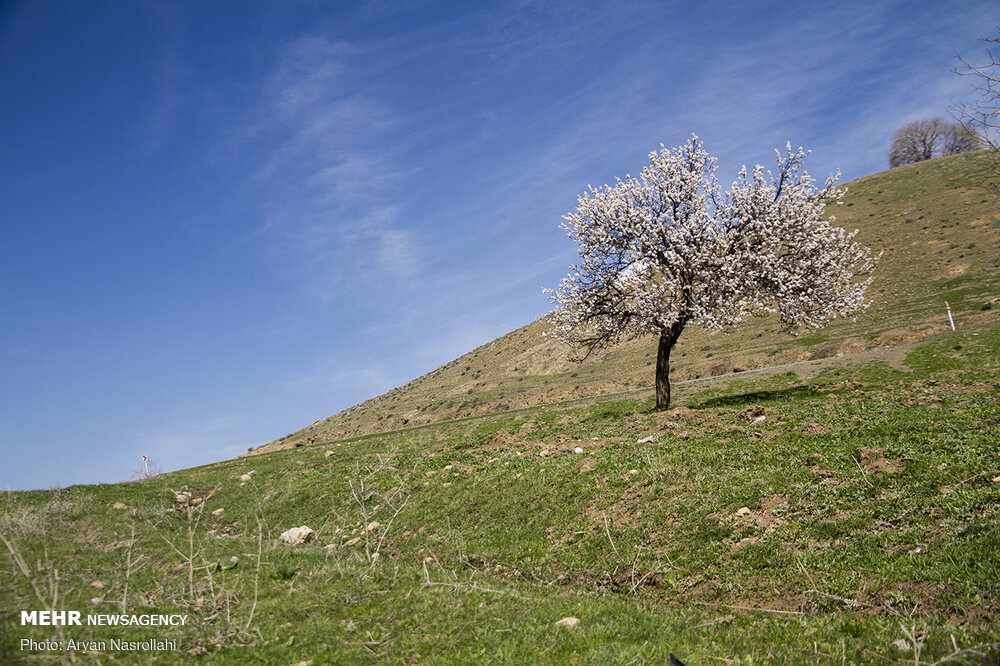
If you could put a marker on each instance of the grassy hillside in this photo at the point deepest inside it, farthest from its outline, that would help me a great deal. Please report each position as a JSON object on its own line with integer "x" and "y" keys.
{"x": 842, "y": 512}
{"x": 847, "y": 518}
{"x": 940, "y": 233}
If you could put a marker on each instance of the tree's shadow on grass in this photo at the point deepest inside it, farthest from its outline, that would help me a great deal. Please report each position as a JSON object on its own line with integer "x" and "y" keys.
{"x": 793, "y": 393}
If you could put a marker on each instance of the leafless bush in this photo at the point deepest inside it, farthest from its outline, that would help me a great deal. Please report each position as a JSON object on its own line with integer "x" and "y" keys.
{"x": 17, "y": 525}
{"x": 207, "y": 592}
{"x": 372, "y": 504}
{"x": 982, "y": 113}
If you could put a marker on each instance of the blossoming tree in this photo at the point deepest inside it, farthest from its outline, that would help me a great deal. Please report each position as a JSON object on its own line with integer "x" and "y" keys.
{"x": 668, "y": 249}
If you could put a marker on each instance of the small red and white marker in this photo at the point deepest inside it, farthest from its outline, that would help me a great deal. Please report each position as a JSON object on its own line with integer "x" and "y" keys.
{"x": 145, "y": 464}
{"x": 949, "y": 315}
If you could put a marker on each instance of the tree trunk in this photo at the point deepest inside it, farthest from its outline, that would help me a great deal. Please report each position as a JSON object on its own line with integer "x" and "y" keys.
{"x": 668, "y": 337}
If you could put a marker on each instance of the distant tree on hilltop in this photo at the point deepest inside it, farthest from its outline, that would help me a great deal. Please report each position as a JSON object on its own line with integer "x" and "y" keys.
{"x": 924, "y": 139}
{"x": 668, "y": 249}
{"x": 959, "y": 139}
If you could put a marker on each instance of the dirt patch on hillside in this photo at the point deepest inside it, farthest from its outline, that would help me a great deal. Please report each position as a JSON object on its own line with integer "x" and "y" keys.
{"x": 955, "y": 271}
{"x": 884, "y": 466}
{"x": 674, "y": 420}
{"x": 813, "y": 428}
{"x": 502, "y": 441}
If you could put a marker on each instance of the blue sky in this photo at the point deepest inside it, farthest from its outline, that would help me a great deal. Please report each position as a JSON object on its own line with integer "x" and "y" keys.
{"x": 222, "y": 221}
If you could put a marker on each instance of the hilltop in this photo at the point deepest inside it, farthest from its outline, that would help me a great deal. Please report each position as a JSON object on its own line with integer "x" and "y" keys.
{"x": 934, "y": 222}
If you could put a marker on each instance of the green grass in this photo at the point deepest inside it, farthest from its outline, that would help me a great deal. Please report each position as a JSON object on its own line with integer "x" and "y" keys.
{"x": 862, "y": 506}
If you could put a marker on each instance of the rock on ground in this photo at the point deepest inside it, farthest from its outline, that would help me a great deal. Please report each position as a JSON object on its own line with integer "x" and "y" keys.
{"x": 298, "y": 535}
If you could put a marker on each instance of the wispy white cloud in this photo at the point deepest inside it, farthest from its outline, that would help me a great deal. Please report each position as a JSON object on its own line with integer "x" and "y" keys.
{"x": 317, "y": 142}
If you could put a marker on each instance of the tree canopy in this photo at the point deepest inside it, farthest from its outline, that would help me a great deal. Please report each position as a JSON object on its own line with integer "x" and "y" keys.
{"x": 668, "y": 249}
{"x": 925, "y": 139}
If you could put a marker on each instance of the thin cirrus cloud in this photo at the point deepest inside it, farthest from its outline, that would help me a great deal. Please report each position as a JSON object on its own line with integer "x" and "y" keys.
{"x": 316, "y": 144}
{"x": 345, "y": 147}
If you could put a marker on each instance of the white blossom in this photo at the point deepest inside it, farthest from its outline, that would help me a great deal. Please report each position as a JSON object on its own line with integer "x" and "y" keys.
{"x": 668, "y": 248}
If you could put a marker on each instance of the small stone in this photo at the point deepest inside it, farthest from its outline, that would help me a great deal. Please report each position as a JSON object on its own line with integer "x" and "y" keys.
{"x": 328, "y": 454}
{"x": 946, "y": 490}
{"x": 633, "y": 472}
{"x": 568, "y": 622}
{"x": 372, "y": 526}
{"x": 119, "y": 506}
{"x": 742, "y": 511}
{"x": 182, "y": 498}
{"x": 218, "y": 512}
{"x": 252, "y": 472}
{"x": 94, "y": 601}
{"x": 331, "y": 546}
{"x": 245, "y": 477}
{"x": 197, "y": 651}
{"x": 298, "y": 535}
{"x": 996, "y": 479}
{"x": 647, "y": 440}
{"x": 578, "y": 450}
{"x": 915, "y": 551}
{"x": 97, "y": 585}
{"x": 447, "y": 467}
{"x": 759, "y": 419}
{"x": 353, "y": 541}
{"x": 195, "y": 501}
{"x": 544, "y": 453}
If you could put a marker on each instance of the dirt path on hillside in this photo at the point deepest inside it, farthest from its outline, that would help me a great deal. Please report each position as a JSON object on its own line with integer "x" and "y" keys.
{"x": 894, "y": 356}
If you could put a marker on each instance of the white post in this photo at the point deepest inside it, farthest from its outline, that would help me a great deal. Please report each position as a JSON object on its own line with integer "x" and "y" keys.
{"x": 145, "y": 465}
{"x": 950, "y": 318}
